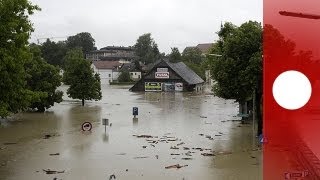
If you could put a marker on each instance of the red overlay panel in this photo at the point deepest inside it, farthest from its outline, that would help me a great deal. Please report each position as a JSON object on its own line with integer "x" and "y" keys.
{"x": 291, "y": 42}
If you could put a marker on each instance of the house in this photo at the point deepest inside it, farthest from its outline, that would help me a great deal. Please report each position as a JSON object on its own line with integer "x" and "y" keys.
{"x": 135, "y": 73}
{"x": 205, "y": 47}
{"x": 108, "y": 70}
{"x": 112, "y": 53}
{"x": 166, "y": 76}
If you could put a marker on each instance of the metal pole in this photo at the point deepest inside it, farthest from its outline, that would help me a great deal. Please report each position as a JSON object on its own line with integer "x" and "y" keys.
{"x": 253, "y": 116}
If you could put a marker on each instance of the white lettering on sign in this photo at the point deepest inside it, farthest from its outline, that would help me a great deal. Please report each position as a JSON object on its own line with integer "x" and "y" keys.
{"x": 162, "y": 75}
{"x": 162, "y": 69}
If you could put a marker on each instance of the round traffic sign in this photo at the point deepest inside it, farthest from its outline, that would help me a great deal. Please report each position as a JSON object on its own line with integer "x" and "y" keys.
{"x": 86, "y": 126}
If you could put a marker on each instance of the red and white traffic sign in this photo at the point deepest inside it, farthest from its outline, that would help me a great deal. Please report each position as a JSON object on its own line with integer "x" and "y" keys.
{"x": 86, "y": 126}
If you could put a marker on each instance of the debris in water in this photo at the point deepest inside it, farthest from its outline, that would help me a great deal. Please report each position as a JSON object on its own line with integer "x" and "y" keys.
{"x": 207, "y": 154}
{"x": 121, "y": 154}
{"x": 177, "y": 166}
{"x": 224, "y": 152}
{"x": 186, "y": 158}
{"x": 144, "y": 147}
{"x": 48, "y": 171}
{"x": 143, "y": 157}
{"x": 174, "y": 147}
{"x": 186, "y": 148}
{"x": 218, "y": 135}
{"x": 112, "y": 176}
{"x": 180, "y": 144}
{"x": 145, "y": 136}
{"x": 201, "y": 134}
{"x": 55, "y": 154}
{"x": 203, "y": 116}
{"x": 9, "y": 143}
{"x": 157, "y": 156}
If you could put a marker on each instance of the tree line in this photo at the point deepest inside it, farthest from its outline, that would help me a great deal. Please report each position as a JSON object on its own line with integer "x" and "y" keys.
{"x": 30, "y": 73}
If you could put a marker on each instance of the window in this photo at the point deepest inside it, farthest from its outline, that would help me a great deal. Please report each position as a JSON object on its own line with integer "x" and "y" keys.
{"x": 109, "y": 75}
{"x": 135, "y": 73}
{"x": 131, "y": 74}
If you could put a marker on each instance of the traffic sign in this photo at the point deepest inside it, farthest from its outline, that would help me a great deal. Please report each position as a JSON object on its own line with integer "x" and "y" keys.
{"x": 86, "y": 126}
{"x": 135, "y": 111}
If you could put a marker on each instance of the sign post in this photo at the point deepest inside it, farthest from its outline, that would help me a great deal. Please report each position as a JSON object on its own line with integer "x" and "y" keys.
{"x": 135, "y": 111}
{"x": 105, "y": 122}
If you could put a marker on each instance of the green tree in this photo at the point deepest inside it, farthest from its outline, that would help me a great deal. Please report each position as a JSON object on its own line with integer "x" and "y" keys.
{"x": 192, "y": 55}
{"x": 53, "y": 52}
{"x": 146, "y": 49}
{"x": 84, "y": 83}
{"x": 82, "y": 40}
{"x": 175, "y": 55}
{"x": 238, "y": 73}
{"x": 15, "y": 30}
{"x": 124, "y": 76}
{"x": 44, "y": 79}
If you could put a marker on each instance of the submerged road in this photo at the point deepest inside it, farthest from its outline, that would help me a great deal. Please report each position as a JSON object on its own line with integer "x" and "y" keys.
{"x": 186, "y": 129}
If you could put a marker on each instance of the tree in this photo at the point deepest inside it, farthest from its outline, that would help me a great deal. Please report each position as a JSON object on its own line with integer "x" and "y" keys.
{"x": 84, "y": 83}
{"x": 82, "y": 40}
{"x": 53, "y": 52}
{"x": 14, "y": 34}
{"x": 124, "y": 76}
{"x": 238, "y": 73}
{"x": 192, "y": 55}
{"x": 175, "y": 55}
{"x": 44, "y": 79}
{"x": 146, "y": 49}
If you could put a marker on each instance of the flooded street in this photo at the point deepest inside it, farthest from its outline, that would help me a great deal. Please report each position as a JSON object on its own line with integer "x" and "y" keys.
{"x": 183, "y": 127}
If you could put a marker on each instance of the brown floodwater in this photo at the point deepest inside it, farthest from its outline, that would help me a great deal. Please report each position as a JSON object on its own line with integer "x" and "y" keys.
{"x": 176, "y": 121}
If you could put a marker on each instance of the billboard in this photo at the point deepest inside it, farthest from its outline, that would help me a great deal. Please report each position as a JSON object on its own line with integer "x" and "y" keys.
{"x": 152, "y": 86}
{"x": 162, "y": 75}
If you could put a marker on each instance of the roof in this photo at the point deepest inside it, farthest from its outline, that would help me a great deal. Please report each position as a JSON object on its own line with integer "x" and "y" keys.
{"x": 123, "y": 48}
{"x": 183, "y": 71}
{"x": 130, "y": 67}
{"x": 106, "y": 64}
{"x": 186, "y": 73}
{"x": 204, "y": 48}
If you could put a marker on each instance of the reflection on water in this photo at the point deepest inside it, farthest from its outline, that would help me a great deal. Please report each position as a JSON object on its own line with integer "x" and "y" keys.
{"x": 98, "y": 154}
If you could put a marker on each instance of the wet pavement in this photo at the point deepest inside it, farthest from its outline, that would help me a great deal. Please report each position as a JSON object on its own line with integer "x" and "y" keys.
{"x": 186, "y": 129}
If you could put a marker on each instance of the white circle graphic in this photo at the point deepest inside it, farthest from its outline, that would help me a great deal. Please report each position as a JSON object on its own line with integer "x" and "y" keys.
{"x": 292, "y": 90}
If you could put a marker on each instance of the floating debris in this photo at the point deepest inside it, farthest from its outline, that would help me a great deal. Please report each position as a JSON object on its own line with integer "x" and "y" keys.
{"x": 145, "y": 136}
{"x": 207, "y": 154}
{"x": 187, "y": 158}
{"x": 144, "y": 147}
{"x": 201, "y": 134}
{"x": 48, "y": 171}
{"x": 112, "y": 176}
{"x": 186, "y": 148}
{"x": 9, "y": 143}
{"x": 172, "y": 154}
{"x": 203, "y": 117}
{"x": 177, "y": 166}
{"x": 180, "y": 144}
{"x": 218, "y": 135}
{"x": 174, "y": 147}
{"x": 224, "y": 152}
{"x": 55, "y": 154}
{"x": 121, "y": 154}
{"x": 143, "y": 157}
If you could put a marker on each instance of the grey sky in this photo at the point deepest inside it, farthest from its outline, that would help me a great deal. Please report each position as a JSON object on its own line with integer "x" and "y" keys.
{"x": 172, "y": 23}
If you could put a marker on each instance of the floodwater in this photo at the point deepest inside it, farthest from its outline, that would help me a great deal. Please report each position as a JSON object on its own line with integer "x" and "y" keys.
{"x": 173, "y": 119}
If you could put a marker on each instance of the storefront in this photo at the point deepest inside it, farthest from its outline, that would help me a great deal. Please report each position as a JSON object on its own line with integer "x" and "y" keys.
{"x": 170, "y": 77}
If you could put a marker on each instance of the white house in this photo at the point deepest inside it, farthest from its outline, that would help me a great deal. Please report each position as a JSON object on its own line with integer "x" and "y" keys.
{"x": 108, "y": 70}
{"x": 135, "y": 73}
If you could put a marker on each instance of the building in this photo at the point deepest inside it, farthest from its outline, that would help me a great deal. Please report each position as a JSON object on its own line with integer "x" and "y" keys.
{"x": 112, "y": 53}
{"x": 108, "y": 70}
{"x": 166, "y": 76}
{"x": 135, "y": 73}
{"x": 205, "y": 47}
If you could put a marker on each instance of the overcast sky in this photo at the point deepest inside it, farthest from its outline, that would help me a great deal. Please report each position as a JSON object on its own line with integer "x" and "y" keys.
{"x": 172, "y": 23}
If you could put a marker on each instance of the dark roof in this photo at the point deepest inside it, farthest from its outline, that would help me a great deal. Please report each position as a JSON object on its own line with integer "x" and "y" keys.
{"x": 204, "y": 48}
{"x": 106, "y": 64}
{"x": 186, "y": 73}
{"x": 123, "y": 48}
{"x": 183, "y": 71}
{"x": 130, "y": 67}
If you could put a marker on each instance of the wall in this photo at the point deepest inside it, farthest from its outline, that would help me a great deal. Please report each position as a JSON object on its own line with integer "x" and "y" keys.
{"x": 106, "y": 75}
